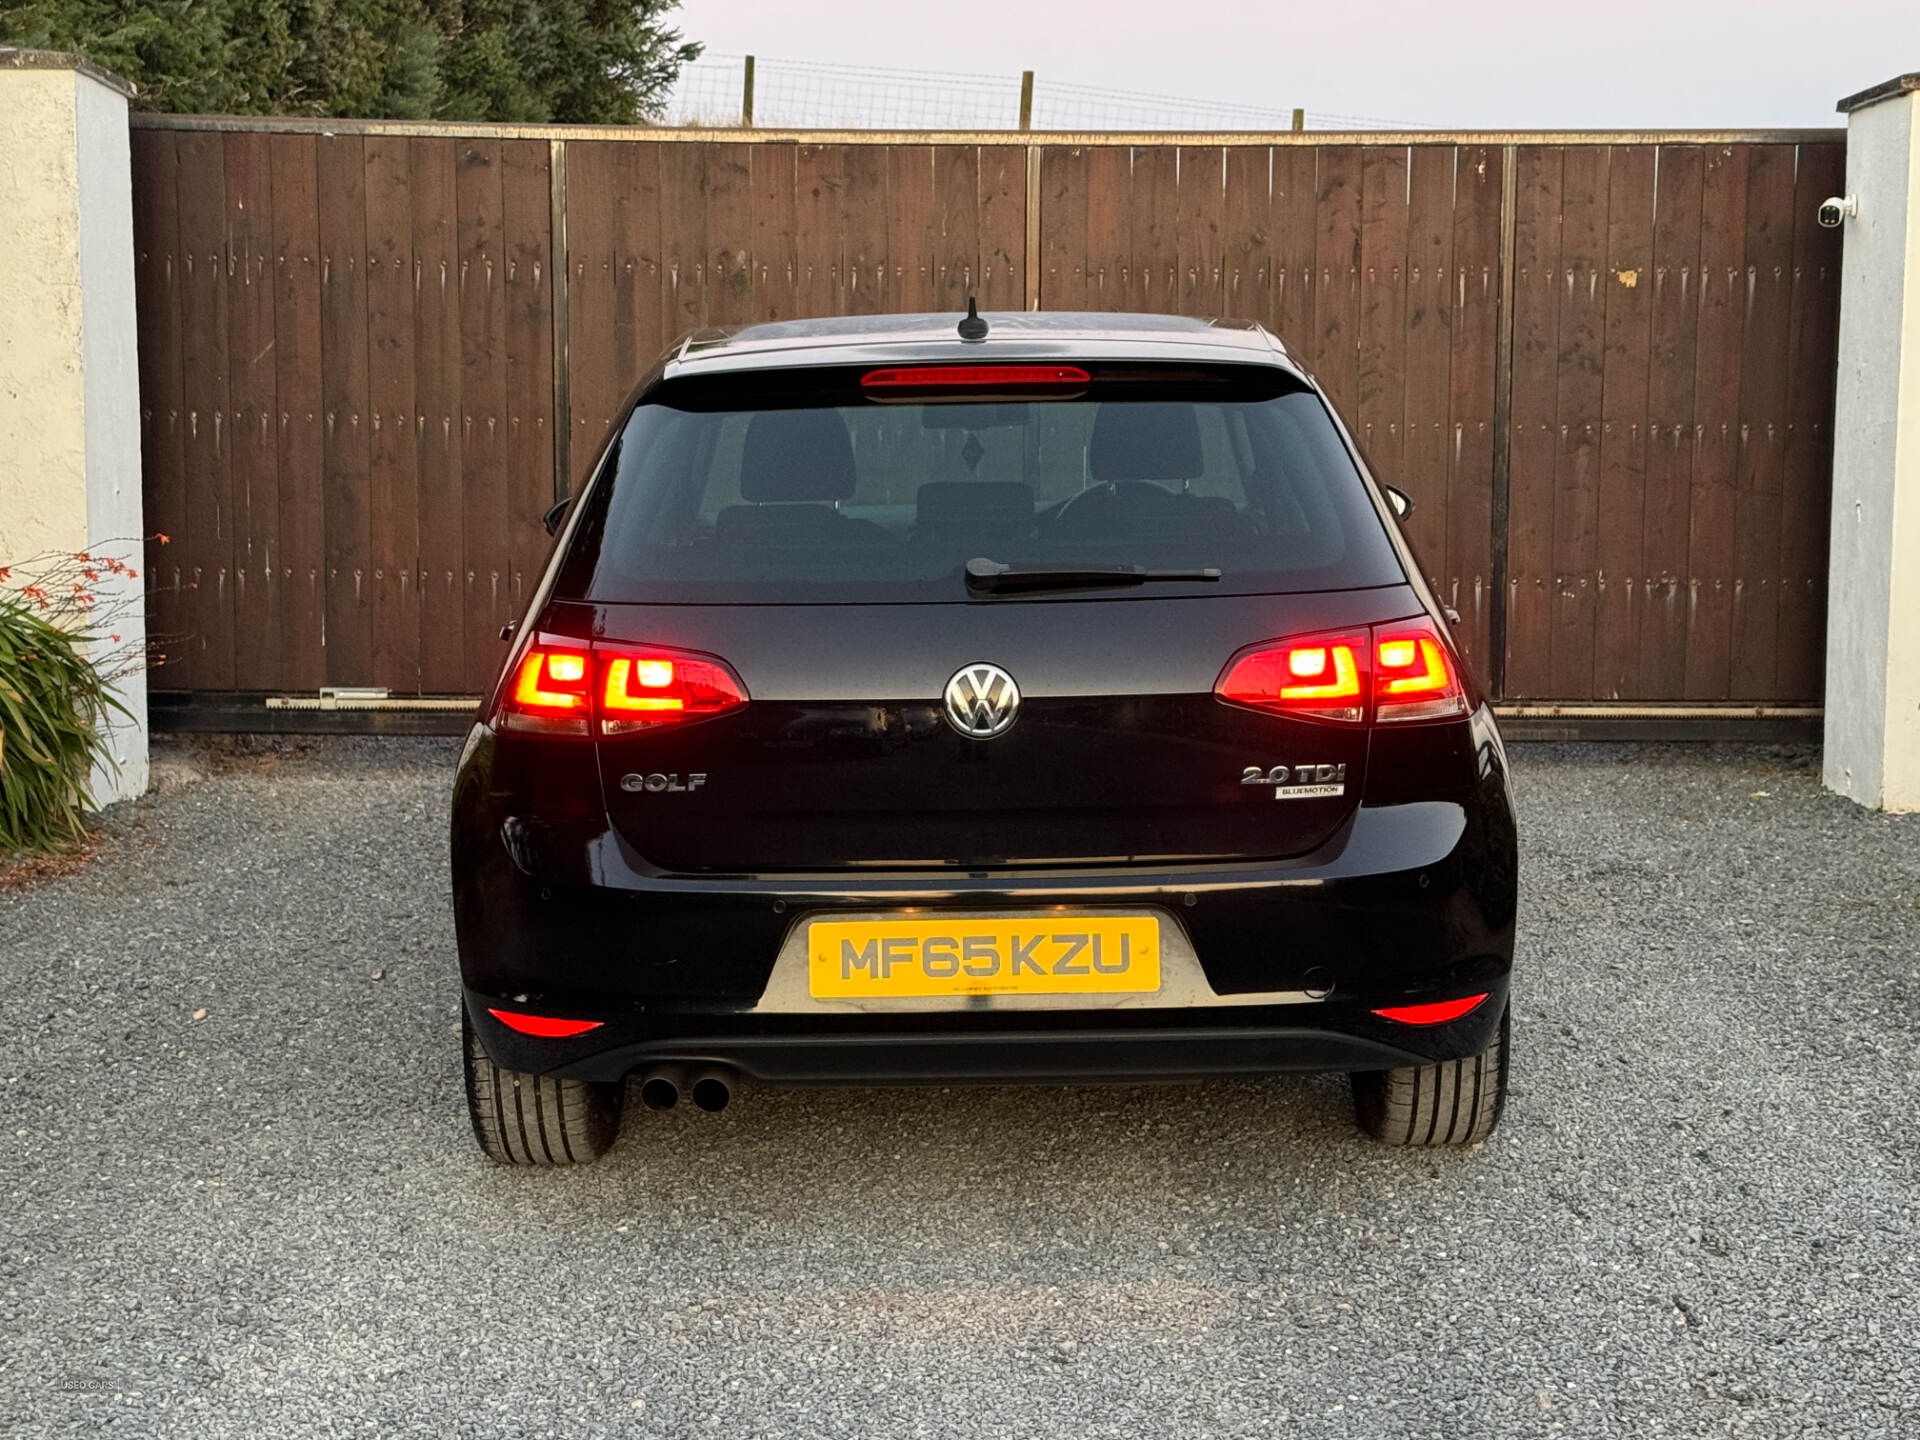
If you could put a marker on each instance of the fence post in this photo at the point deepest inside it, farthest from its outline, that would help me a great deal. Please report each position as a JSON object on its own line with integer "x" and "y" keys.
{"x": 1872, "y": 752}
{"x": 1501, "y": 500}
{"x": 1299, "y": 118}
{"x": 746, "y": 96}
{"x": 69, "y": 377}
{"x": 1026, "y": 99}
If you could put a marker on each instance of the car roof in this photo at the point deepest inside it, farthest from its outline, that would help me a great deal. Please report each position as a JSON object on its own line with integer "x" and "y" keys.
{"x": 1011, "y": 335}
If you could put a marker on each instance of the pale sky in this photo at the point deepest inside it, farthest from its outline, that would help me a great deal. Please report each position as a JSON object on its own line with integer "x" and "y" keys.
{"x": 1504, "y": 64}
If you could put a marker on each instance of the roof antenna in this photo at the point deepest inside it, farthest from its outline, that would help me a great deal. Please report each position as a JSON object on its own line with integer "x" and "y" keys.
{"x": 972, "y": 327}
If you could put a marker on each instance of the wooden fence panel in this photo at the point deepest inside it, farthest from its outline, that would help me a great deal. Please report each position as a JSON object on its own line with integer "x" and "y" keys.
{"x": 353, "y": 338}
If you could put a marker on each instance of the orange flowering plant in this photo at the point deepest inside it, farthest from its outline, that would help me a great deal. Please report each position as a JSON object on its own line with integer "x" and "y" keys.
{"x": 62, "y": 619}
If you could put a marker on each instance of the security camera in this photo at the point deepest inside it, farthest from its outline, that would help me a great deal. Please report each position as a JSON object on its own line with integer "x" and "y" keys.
{"x": 1836, "y": 208}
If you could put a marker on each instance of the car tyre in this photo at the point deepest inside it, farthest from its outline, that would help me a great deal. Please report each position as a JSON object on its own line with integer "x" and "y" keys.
{"x": 522, "y": 1119}
{"x": 1452, "y": 1102}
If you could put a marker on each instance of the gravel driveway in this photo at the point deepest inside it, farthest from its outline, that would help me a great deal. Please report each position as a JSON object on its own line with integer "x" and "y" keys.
{"x": 239, "y": 1196}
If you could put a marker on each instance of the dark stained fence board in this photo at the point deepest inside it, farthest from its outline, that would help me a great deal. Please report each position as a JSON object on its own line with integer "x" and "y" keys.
{"x": 1109, "y": 263}
{"x": 1199, "y": 240}
{"x": 1533, "y": 419}
{"x": 1582, "y": 327}
{"x": 683, "y": 245}
{"x": 593, "y": 176}
{"x": 1716, "y": 456}
{"x": 156, "y": 240}
{"x": 820, "y": 227}
{"x": 1806, "y": 483}
{"x": 1064, "y": 181}
{"x": 346, "y": 423}
{"x": 437, "y": 426}
{"x": 208, "y": 542}
{"x": 1003, "y": 227}
{"x": 645, "y": 280}
{"x": 1619, "y": 557}
{"x": 1293, "y": 239}
{"x": 912, "y": 230}
{"x": 775, "y": 262}
{"x": 1473, "y": 329}
{"x": 487, "y": 561}
{"x": 1768, "y": 291}
{"x": 956, "y": 188}
{"x": 525, "y": 184}
{"x": 1378, "y": 409}
{"x": 868, "y": 290}
{"x": 254, "y": 462}
{"x": 1336, "y": 337}
{"x": 729, "y": 260}
{"x": 1156, "y": 244}
{"x": 394, "y": 500}
{"x": 301, "y": 444}
{"x": 1426, "y": 299}
{"x": 1246, "y": 256}
{"x": 348, "y": 352}
{"x": 1674, "y": 323}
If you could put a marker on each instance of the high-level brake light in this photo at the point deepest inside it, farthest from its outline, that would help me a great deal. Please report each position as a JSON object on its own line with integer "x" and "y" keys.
{"x": 955, "y": 377}
{"x": 1397, "y": 672}
{"x": 638, "y": 688}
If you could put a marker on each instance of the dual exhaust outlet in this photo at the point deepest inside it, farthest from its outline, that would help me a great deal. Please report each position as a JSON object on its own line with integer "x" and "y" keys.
{"x": 710, "y": 1089}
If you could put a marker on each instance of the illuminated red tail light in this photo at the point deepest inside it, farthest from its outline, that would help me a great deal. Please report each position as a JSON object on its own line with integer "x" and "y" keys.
{"x": 549, "y": 693}
{"x": 1415, "y": 674}
{"x": 570, "y": 687}
{"x": 643, "y": 689}
{"x": 1397, "y": 672}
{"x": 1322, "y": 677}
{"x": 1436, "y": 1014}
{"x": 548, "y": 1027}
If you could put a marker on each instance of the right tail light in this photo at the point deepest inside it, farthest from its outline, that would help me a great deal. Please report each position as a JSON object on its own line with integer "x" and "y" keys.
{"x": 1390, "y": 673}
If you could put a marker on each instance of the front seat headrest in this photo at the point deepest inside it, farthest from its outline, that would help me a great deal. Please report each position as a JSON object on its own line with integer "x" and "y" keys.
{"x": 1144, "y": 441}
{"x": 793, "y": 456}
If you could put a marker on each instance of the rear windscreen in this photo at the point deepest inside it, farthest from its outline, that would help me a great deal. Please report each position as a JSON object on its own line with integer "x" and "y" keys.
{"x": 804, "y": 487}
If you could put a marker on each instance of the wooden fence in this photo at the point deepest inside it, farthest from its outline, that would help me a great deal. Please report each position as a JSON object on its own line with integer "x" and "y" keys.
{"x": 1602, "y": 365}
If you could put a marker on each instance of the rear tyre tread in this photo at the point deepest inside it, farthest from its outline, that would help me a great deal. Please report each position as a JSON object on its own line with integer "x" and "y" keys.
{"x": 1447, "y": 1103}
{"x": 522, "y": 1119}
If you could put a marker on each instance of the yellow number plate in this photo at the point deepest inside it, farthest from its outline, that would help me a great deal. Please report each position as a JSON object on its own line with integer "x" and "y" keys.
{"x": 1056, "y": 955}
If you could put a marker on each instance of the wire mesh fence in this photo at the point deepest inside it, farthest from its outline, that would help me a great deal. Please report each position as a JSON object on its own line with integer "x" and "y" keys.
{"x": 808, "y": 95}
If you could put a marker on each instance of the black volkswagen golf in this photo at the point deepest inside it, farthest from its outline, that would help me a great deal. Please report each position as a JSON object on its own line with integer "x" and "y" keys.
{"x": 1039, "y": 698}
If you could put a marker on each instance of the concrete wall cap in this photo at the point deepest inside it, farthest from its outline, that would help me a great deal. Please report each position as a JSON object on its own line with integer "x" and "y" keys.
{"x": 14, "y": 58}
{"x": 1885, "y": 90}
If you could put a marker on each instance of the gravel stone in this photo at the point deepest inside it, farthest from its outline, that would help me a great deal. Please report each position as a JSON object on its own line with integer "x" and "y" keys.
{"x": 239, "y": 1195}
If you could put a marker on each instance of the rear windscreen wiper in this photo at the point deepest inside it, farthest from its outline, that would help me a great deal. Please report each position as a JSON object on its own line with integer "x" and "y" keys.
{"x": 993, "y": 577}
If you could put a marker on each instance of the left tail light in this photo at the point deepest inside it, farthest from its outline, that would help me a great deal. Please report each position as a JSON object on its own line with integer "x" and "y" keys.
{"x": 1389, "y": 673}
{"x": 1415, "y": 674}
{"x": 564, "y": 687}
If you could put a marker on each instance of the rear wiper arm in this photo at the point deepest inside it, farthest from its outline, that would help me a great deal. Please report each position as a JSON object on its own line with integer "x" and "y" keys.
{"x": 995, "y": 578}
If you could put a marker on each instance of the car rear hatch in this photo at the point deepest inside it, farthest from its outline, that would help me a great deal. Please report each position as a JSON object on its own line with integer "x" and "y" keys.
{"x": 810, "y": 572}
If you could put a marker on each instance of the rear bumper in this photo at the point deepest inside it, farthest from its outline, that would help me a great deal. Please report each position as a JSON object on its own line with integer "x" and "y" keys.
{"x": 1164, "y": 1045}
{"x": 1407, "y": 903}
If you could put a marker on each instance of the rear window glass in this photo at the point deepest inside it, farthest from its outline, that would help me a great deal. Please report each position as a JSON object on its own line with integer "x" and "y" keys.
{"x": 801, "y": 487}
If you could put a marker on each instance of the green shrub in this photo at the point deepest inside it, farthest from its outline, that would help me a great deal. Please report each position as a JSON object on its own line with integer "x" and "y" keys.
{"x": 54, "y": 708}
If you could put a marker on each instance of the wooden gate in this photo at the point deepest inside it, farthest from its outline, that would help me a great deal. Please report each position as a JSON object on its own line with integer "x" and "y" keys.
{"x": 1602, "y": 365}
